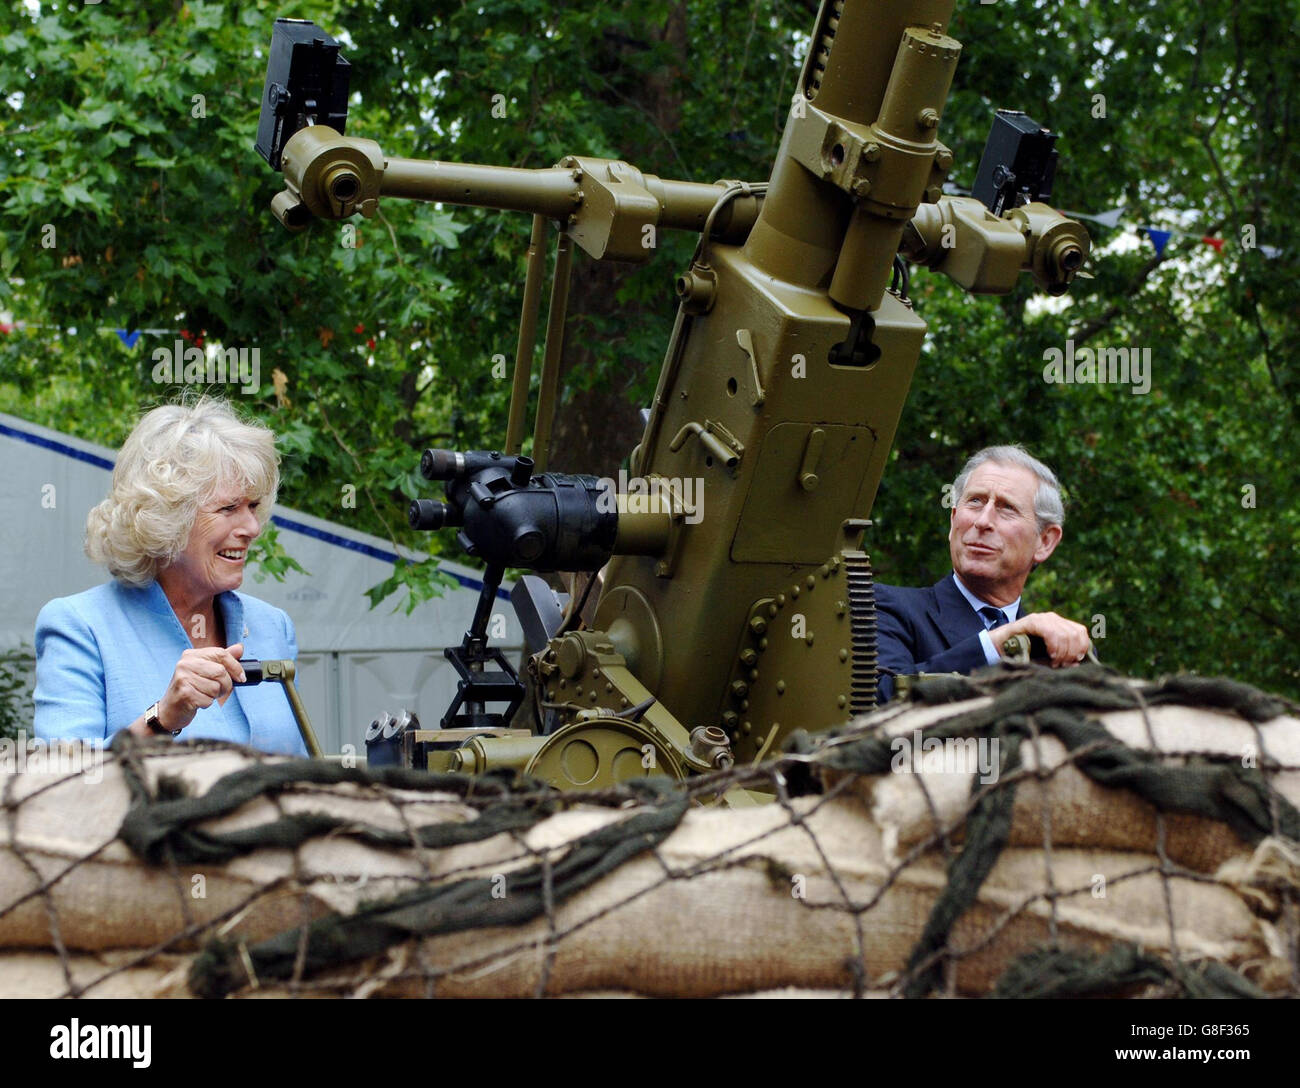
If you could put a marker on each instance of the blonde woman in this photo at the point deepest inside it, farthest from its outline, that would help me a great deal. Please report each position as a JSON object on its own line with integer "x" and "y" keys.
{"x": 157, "y": 650}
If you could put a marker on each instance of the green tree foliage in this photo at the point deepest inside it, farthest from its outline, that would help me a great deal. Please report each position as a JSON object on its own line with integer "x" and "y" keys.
{"x": 16, "y": 709}
{"x": 1184, "y": 519}
{"x": 160, "y": 214}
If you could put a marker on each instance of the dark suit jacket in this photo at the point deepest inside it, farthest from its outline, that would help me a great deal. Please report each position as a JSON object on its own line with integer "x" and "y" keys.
{"x": 932, "y": 629}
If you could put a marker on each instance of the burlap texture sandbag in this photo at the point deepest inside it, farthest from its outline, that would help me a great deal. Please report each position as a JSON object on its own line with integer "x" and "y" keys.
{"x": 34, "y": 973}
{"x": 61, "y": 864}
{"x": 744, "y": 901}
{"x": 739, "y": 902}
{"x": 806, "y": 893}
{"x": 1063, "y": 805}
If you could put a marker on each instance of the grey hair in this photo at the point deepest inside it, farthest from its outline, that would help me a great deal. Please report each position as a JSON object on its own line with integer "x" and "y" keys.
{"x": 1048, "y": 507}
{"x": 174, "y": 460}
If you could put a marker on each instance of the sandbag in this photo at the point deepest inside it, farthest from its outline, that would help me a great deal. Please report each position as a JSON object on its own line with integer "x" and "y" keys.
{"x": 738, "y": 929}
{"x": 122, "y": 974}
{"x": 63, "y": 867}
{"x": 256, "y": 876}
{"x": 931, "y": 794}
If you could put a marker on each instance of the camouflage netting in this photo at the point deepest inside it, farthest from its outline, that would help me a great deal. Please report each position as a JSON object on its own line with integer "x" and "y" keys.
{"x": 1118, "y": 838}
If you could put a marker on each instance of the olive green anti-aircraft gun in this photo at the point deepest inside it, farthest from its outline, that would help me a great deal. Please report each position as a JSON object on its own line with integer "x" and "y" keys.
{"x": 736, "y": 601}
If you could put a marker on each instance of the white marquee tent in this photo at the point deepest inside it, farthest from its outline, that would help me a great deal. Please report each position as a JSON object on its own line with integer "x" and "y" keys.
{"x": 354, "y": 662}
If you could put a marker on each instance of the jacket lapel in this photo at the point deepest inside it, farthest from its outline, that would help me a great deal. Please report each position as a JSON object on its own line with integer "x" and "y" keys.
{"x": 952, "y": 615}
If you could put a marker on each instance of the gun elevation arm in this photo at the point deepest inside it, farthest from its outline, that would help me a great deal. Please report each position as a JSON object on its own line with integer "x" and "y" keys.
{"x": 610, "y": 207}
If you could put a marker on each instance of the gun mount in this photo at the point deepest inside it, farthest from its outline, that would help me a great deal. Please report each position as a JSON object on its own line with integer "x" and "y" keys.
{"x": 720, "y": 627}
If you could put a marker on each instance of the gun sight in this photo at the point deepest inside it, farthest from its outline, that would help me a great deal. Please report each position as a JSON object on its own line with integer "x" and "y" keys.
{"x": 306, "y": 84}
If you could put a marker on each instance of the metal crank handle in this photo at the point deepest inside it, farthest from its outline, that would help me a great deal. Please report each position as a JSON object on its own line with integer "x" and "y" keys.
{"x": 282, "y": 672}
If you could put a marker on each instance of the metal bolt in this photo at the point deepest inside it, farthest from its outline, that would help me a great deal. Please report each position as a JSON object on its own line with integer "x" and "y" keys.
{"x": 928, "y": 118}
{"x": 758, "y": 625}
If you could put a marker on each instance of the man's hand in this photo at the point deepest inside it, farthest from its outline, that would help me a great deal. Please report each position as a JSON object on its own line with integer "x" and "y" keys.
{"x": 1067, "y": 642}
{"x": 202, "y": 677}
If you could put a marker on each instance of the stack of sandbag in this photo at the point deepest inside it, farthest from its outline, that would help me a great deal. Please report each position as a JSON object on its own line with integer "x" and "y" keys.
{"x": 1192, "y": 808}
{"x": 71, "y": 889}
{"x": 1058, "y": 802}
{"x": 898, "y": 878}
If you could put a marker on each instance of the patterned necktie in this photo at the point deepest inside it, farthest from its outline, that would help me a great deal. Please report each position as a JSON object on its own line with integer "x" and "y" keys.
{"x": 993, "y": 617}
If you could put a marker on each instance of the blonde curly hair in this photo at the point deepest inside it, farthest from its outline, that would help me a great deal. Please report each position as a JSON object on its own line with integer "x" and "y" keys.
{"x": 173, "y": 462}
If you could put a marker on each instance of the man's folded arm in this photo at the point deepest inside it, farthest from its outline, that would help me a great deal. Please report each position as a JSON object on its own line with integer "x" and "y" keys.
{"x": 896, "y": 654}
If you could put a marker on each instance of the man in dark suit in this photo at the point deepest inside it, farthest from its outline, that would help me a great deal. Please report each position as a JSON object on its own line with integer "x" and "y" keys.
{"x": 1006, "y": 519}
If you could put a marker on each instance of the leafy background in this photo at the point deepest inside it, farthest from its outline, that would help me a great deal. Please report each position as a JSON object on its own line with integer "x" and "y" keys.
{"x": 161, "y": 219}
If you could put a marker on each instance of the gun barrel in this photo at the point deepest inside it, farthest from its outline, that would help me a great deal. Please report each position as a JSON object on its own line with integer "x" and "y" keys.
{"x": 557, "y": 192}
{"x": 686, "y": 206}
{"x": 552, "y": 192}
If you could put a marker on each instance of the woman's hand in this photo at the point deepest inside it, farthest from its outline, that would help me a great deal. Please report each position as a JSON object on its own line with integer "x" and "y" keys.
{"x": 202, "y": 677}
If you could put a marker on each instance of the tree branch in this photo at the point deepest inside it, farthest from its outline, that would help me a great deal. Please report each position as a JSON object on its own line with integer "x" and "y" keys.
{"x": 1105, "y": 320}
{"x": 320, "y": 406}
{"x": 686, "y": 170}
{"x": 1290, "y": 632}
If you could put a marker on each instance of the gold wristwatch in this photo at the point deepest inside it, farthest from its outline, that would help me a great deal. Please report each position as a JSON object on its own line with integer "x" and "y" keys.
{"x": 155, "y": 726}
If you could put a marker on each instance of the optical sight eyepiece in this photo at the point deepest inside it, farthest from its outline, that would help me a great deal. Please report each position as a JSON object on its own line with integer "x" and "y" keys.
{"x": 427, "y": 514}
{"x": 441, "y": 464}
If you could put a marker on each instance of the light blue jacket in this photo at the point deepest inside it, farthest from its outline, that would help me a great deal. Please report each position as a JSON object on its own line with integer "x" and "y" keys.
{"x": 103, "y": 657}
